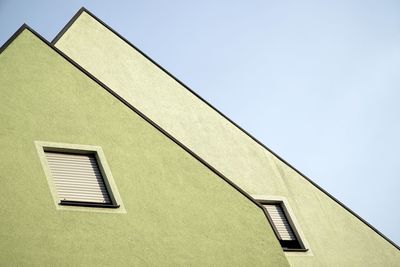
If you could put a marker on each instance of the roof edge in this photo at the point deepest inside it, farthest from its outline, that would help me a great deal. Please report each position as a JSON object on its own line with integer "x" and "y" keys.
{"x": 135, "y": 110}
{"x": 68, "y": 25}
{"x": 83, "y": 9}
{"x": 12, "y": 38}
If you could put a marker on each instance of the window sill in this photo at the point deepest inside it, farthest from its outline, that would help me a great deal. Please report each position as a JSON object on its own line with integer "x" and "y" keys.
{"x": 88, "y": 204}
{"x": 295, "y": 249}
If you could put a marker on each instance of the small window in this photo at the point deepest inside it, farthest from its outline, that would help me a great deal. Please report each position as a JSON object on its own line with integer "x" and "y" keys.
{"x": 79, "y": 180}
{"x": 283, "y": 226}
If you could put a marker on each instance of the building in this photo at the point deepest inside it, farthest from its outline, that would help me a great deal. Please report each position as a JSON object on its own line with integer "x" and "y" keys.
{"x": 108, "y": 159}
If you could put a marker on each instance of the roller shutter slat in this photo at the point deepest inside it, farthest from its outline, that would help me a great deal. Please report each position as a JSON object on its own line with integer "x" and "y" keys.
{"x": 77, "y": 177}
{"x": 285, "y": 231}
{"x": 72, "y": 170}
{"x": 68, "y": 184}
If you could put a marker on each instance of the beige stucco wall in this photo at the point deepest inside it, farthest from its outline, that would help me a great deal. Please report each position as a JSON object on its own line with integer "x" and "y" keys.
{"x": 335, "y": 236}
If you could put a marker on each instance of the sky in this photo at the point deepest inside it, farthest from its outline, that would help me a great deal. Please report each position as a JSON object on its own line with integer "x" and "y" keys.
{"x": 316, "y": 81}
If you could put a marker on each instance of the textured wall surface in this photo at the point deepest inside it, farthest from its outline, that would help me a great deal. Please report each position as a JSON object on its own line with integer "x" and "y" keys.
{"x": 335, "y": 236}
{"x": 179, "y": 213}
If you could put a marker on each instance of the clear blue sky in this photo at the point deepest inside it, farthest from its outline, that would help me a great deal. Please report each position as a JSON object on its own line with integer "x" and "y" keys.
{"x": 316, "y": 81}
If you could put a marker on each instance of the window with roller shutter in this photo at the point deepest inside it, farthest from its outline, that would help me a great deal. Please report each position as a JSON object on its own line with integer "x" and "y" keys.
{"x": 282, "y": 225}
{"x": 79, "y": 180}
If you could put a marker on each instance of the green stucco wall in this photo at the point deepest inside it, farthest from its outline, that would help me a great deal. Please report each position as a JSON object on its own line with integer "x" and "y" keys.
{"x": 178, "y": 212}
{"x": 335, "y": 237}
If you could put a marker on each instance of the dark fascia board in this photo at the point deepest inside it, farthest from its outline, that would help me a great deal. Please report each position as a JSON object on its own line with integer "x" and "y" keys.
{"x": 69, "y": 24}
{"x": 12, "y": 38}
{"x": 135, "y": 110}
{"x": 83, "y": 9}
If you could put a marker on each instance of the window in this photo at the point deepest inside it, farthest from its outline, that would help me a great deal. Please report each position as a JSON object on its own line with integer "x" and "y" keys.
{"x": 78, "y": 180}
{"x": 283, "y": 225}
{"x": 79, "y": 177}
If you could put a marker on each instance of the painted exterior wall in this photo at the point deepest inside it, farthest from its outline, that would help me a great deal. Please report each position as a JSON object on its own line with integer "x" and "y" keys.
{"x": 335, "y": 236}
{"x": 178, "y": 212}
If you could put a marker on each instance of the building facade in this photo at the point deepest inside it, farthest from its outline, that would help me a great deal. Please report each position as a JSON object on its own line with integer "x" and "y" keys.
{"x": 181, "y": 183}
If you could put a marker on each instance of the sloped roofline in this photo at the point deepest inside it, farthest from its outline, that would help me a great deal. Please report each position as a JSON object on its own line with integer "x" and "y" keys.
{"x": 135, "y": 110}
{"x": 83, "y": 9}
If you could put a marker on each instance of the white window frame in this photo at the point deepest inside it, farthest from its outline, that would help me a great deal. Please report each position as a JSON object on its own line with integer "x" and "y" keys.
{"x": 42, "y": 146}
{"x": 305, "y": 248}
